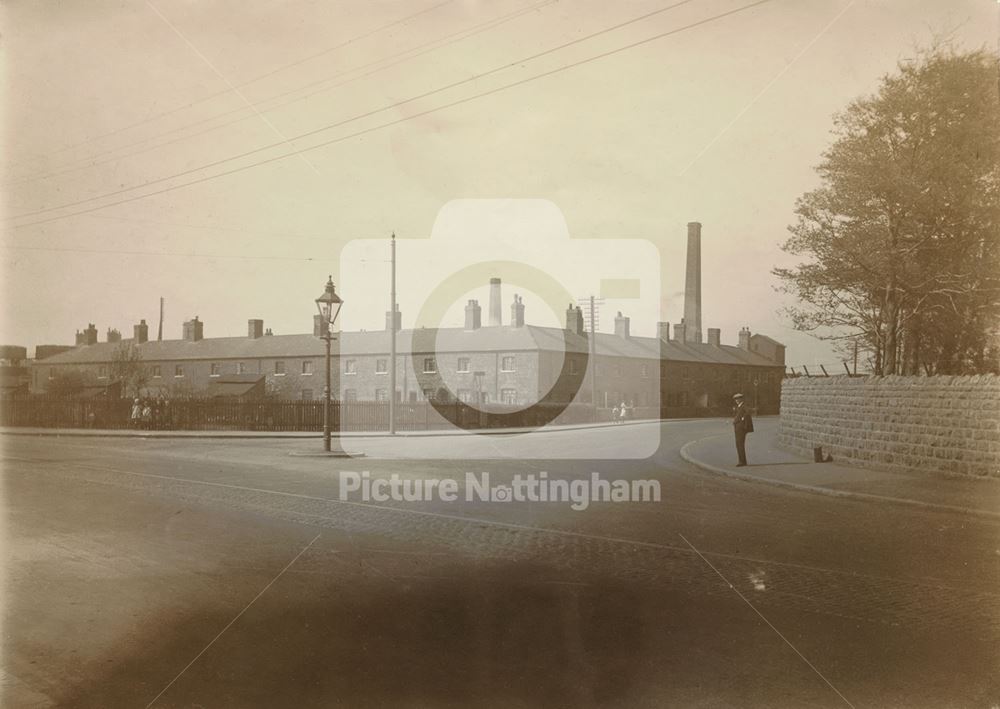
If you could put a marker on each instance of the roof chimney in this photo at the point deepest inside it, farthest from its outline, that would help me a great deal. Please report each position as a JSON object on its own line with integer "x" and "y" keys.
{"x": 193, "y": 330}
{"x": 517, "y": 312}
{"x": 679, "y": 331}
{"x": 574, "y": 319}
{"x": 495, "y": 316}
{"x": 141, "y": 332}
{"x": 621, "y": 326}
{"x": 473, "y": 315}
{"x": 318, "y": 329}
{"x": 745, "y": 339}
{"x": 663, "y": 330}
{"x": 255, "y": 328}
{"x": 389, "y": 320}
{"x": 88, "y": 336}
{"x": 114, "y": 335}
{"x": 692, "y": 285}
{"x": 715, "y": 336}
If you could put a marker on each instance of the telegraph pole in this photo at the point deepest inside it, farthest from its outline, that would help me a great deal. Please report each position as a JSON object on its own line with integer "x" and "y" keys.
{"x": 392, "y": 340}
{"x": 593, "y": 357}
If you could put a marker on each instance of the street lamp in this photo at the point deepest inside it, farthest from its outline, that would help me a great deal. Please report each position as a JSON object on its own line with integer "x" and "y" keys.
{"x": 328, "y": 304}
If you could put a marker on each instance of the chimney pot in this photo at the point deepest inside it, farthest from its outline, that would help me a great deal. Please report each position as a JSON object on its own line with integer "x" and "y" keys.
{"x": 745, "y": 338}
{"x": 622, "y": 328}
{"x": 517, "y": 312}
{"x": 473, "y": 315}
{"x": 140, "y": 332}
{"x": 193, "y": 330}
{"x": 390, "y": 321}
{"x": 574, "y": 319}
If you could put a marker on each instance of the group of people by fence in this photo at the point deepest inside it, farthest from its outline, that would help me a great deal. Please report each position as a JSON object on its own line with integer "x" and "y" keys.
{"x": 150, "y": 413}
{"x": 622, "y": 412}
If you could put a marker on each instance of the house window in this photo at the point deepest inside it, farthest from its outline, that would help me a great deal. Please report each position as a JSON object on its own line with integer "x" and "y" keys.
{"x": 644, "y": 371}
{"x": 215, "y": 369}
{"x": 307, "y": 394}
{"x": 507, "y": 363}
{"x": 428, "y": 394}
{"x": 350, "y": 394}
{"x": 350, "y": 366}
{"x": 102, "y": 372}
{"x": 178, "y": 370}
{"x": 430, "y": 367}
{"x": 241, "y": 367}
{"x": 156, "y": 371}
{"x": 381, "y": 395}
{"x": 279, "y": 368}
{"x": 463, "y": 364}
{"x": 381, "y": 366}
{"x": 307, "y": 367}
{"x": 508, "y": 396}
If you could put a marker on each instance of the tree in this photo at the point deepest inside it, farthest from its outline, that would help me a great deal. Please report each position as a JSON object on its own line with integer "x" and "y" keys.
{"x": 901, "y": 241}
{"x": 127, "y": 367}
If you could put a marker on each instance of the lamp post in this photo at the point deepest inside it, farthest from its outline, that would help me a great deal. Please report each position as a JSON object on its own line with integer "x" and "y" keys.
{"x": 328, "y": 304}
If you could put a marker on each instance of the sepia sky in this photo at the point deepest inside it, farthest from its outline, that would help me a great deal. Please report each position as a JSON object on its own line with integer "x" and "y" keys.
{"x": 719, "y": 121}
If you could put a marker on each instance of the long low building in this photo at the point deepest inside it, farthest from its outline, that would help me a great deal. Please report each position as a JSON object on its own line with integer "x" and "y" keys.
{"x": 515, "y": 364}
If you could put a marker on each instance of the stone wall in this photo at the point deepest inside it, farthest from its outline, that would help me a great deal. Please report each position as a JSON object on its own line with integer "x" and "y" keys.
{"x": 934, "y": 424}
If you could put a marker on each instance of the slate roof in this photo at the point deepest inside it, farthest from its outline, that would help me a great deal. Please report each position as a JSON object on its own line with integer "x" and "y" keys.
{"x": 486, "y": 339}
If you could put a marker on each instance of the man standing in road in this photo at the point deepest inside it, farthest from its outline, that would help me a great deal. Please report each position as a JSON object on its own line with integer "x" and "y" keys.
{"x": 742, "y": 425}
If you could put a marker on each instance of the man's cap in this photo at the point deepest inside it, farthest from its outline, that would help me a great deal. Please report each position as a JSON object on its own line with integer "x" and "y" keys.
{"x": 737, "y": 396}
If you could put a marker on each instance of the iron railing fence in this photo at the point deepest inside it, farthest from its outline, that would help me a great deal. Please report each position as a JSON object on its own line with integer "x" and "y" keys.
{"x": 273, "y": 415}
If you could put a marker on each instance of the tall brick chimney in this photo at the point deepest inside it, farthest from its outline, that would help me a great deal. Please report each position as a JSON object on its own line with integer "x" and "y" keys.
{"x": 692, "y": 285}
{"x": 715, "y": 336}
{"x": 473, "y": 315}
{"x": 495, "y": 314}
{"x": 622, "y": 326}
{"x": 193, "y": 330}
{"x": 745, "y": 339}
{"x": 389, "y": 320}
{"x": 114, "y": 335}
{"x": 663, "y": 331}
{"x": 517, "y": 312}
{"x": 140, "y": 332}
{"x": 255, "y": 328}
{"x": 574, "y": 319}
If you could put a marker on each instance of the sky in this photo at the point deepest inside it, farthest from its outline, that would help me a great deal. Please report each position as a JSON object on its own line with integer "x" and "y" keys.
{"x": 132, "y": 133}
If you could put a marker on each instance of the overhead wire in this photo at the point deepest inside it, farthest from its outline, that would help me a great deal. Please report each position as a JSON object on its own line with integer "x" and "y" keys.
{"x": 413, "y": 52}
{"x": 269, "y": 73}
{"x": 366, "y": 131}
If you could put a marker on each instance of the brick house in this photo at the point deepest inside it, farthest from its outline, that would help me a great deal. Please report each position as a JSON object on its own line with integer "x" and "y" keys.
{"x": 515, "y": 364}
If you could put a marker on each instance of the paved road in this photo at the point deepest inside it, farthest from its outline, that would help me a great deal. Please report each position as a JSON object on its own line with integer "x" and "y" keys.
{"x": 181, "y": 573}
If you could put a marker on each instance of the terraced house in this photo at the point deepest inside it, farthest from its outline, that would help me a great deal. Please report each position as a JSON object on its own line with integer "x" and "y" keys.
{"x": 514, "y": 364}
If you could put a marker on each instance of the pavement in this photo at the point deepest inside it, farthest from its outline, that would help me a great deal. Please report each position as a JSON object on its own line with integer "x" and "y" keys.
{"x": 768, "y": 463}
